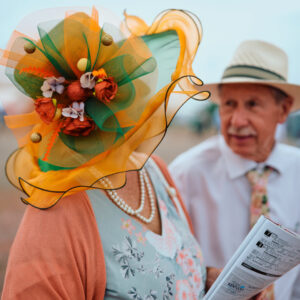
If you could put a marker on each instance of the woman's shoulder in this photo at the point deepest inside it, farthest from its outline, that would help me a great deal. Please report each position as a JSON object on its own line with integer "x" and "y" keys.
{"x": 70, "y": 223}
{"x": 57, "y": 248}
{"x": 70, "y": 215}
{"x": 69, "y": 208}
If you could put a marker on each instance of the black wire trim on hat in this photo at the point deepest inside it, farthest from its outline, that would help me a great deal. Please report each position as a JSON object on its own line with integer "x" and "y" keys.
{"x": 187, "y": 13}
{"x": 192, "y": 16}
{"x": 184, "y": 11}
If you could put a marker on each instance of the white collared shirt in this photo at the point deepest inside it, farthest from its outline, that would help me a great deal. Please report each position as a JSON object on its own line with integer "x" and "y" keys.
{"x": 212, "y": 182}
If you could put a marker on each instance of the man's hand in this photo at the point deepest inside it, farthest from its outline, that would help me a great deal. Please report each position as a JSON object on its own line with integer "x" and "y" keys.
{"x": 260, "y": 296}
{"x": 211, "y": 275}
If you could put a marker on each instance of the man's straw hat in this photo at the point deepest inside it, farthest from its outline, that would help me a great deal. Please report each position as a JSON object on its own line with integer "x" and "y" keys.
{"x": 258, "y": 62}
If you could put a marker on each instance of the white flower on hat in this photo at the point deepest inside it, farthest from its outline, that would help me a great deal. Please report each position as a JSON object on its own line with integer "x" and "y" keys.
{"x": 87, "y": 80}
{"x": 52, "y": 84}
{"x": 75, "y": 111}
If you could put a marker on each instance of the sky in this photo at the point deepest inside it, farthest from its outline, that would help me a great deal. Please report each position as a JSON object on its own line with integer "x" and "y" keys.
{"x": 226, "y": 23}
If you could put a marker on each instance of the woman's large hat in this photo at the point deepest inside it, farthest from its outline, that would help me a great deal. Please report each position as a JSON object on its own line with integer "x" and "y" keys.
{"x": 101, "y": 96}
{"x": 258, "y": 62}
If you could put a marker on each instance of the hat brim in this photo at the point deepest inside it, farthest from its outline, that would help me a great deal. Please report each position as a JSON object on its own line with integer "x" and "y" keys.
{"x": 292, "y": 90}
{"x": 146, "y": 65}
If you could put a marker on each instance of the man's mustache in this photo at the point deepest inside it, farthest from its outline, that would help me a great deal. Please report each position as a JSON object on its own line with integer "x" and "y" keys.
{"x": 242, "y": 131}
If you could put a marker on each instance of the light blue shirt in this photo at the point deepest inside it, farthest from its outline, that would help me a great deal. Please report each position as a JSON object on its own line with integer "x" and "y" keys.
{"x": 141, "y": 264}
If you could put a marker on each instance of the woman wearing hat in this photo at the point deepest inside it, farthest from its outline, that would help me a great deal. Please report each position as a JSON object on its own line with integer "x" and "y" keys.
{"x": 103, "y": 219}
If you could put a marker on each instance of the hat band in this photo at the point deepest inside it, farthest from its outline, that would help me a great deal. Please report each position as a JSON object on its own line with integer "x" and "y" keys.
{"x": 251, "y": 72}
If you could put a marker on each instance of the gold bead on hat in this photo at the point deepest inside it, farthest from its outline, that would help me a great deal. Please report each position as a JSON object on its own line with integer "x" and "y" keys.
{"x": 36, "y": 137}
{"x": 107, "y": 40}
{"x": 81, "y": 64}
{"x": 29, "y": 48}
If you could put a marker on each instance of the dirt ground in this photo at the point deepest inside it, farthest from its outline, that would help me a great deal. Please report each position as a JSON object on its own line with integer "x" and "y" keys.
{"x": 11, "y": 208}
{"x": 177, "y": 140}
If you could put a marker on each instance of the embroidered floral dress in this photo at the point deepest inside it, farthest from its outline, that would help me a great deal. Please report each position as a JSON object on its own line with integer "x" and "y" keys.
{"x": 143, "y": 265}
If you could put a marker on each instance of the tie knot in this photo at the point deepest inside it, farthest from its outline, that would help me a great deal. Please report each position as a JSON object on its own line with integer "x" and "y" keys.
{"x": 259, "y": 177}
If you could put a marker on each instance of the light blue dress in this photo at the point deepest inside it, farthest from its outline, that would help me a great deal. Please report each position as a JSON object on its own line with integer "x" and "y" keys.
{"x": 143, "y": 265}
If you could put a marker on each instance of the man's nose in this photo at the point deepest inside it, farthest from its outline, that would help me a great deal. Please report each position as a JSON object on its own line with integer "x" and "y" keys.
{"x": 239, "y": 118}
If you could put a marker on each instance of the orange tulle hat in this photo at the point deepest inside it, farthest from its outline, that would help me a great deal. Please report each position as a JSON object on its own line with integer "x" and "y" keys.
{"x": 103, "y": 94}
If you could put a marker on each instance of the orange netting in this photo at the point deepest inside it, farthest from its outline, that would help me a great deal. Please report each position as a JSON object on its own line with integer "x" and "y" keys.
{"x": 148, "y": 65}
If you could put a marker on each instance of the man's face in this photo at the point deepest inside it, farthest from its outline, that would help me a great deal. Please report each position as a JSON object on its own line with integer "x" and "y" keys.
{"x": 249, "y": 116}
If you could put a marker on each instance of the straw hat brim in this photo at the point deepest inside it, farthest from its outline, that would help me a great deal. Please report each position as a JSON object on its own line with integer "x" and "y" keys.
{"x": 292, "y": 90}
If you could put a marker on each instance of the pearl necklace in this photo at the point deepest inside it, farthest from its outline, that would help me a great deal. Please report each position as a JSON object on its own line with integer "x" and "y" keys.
{"x": 144, "y": 181}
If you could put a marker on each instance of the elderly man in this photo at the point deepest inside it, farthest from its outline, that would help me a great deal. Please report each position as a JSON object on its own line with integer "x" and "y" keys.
{"x": 218, "y": 179}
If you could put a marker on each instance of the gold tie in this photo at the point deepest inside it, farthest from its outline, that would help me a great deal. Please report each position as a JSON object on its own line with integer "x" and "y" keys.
{"x": 260, "y": 206}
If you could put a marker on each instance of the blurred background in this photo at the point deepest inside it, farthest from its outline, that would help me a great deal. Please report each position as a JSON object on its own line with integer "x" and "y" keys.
{"x": 225, "y": 25}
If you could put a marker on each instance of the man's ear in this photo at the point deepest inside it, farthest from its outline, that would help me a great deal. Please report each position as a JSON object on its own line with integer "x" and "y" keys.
{"x": 286, "y": 106}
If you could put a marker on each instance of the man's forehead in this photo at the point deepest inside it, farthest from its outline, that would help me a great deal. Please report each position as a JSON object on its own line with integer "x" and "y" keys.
{"x": 225, "y": 90}
{"x": 242, "y": 86}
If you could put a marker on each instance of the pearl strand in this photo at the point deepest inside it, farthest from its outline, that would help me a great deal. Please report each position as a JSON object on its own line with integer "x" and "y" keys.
{"x": 143, "y": 179}
{"x": 152, "y": 201}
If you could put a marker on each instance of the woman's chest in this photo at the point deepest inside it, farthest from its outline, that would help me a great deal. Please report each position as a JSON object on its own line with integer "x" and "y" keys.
{"x": 141, "y": 264}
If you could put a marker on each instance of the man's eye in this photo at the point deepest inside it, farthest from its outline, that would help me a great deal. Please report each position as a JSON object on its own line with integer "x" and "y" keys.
{"x": 229, "y": 103}
{"x": 252, "y": 103}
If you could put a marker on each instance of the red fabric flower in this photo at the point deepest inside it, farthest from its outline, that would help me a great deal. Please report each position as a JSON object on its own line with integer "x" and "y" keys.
{"x": 45, "y": 108}
{"x": 76, "y": 127}
{"x": 76, "y": 93}
{"x": 106, "y": 90}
